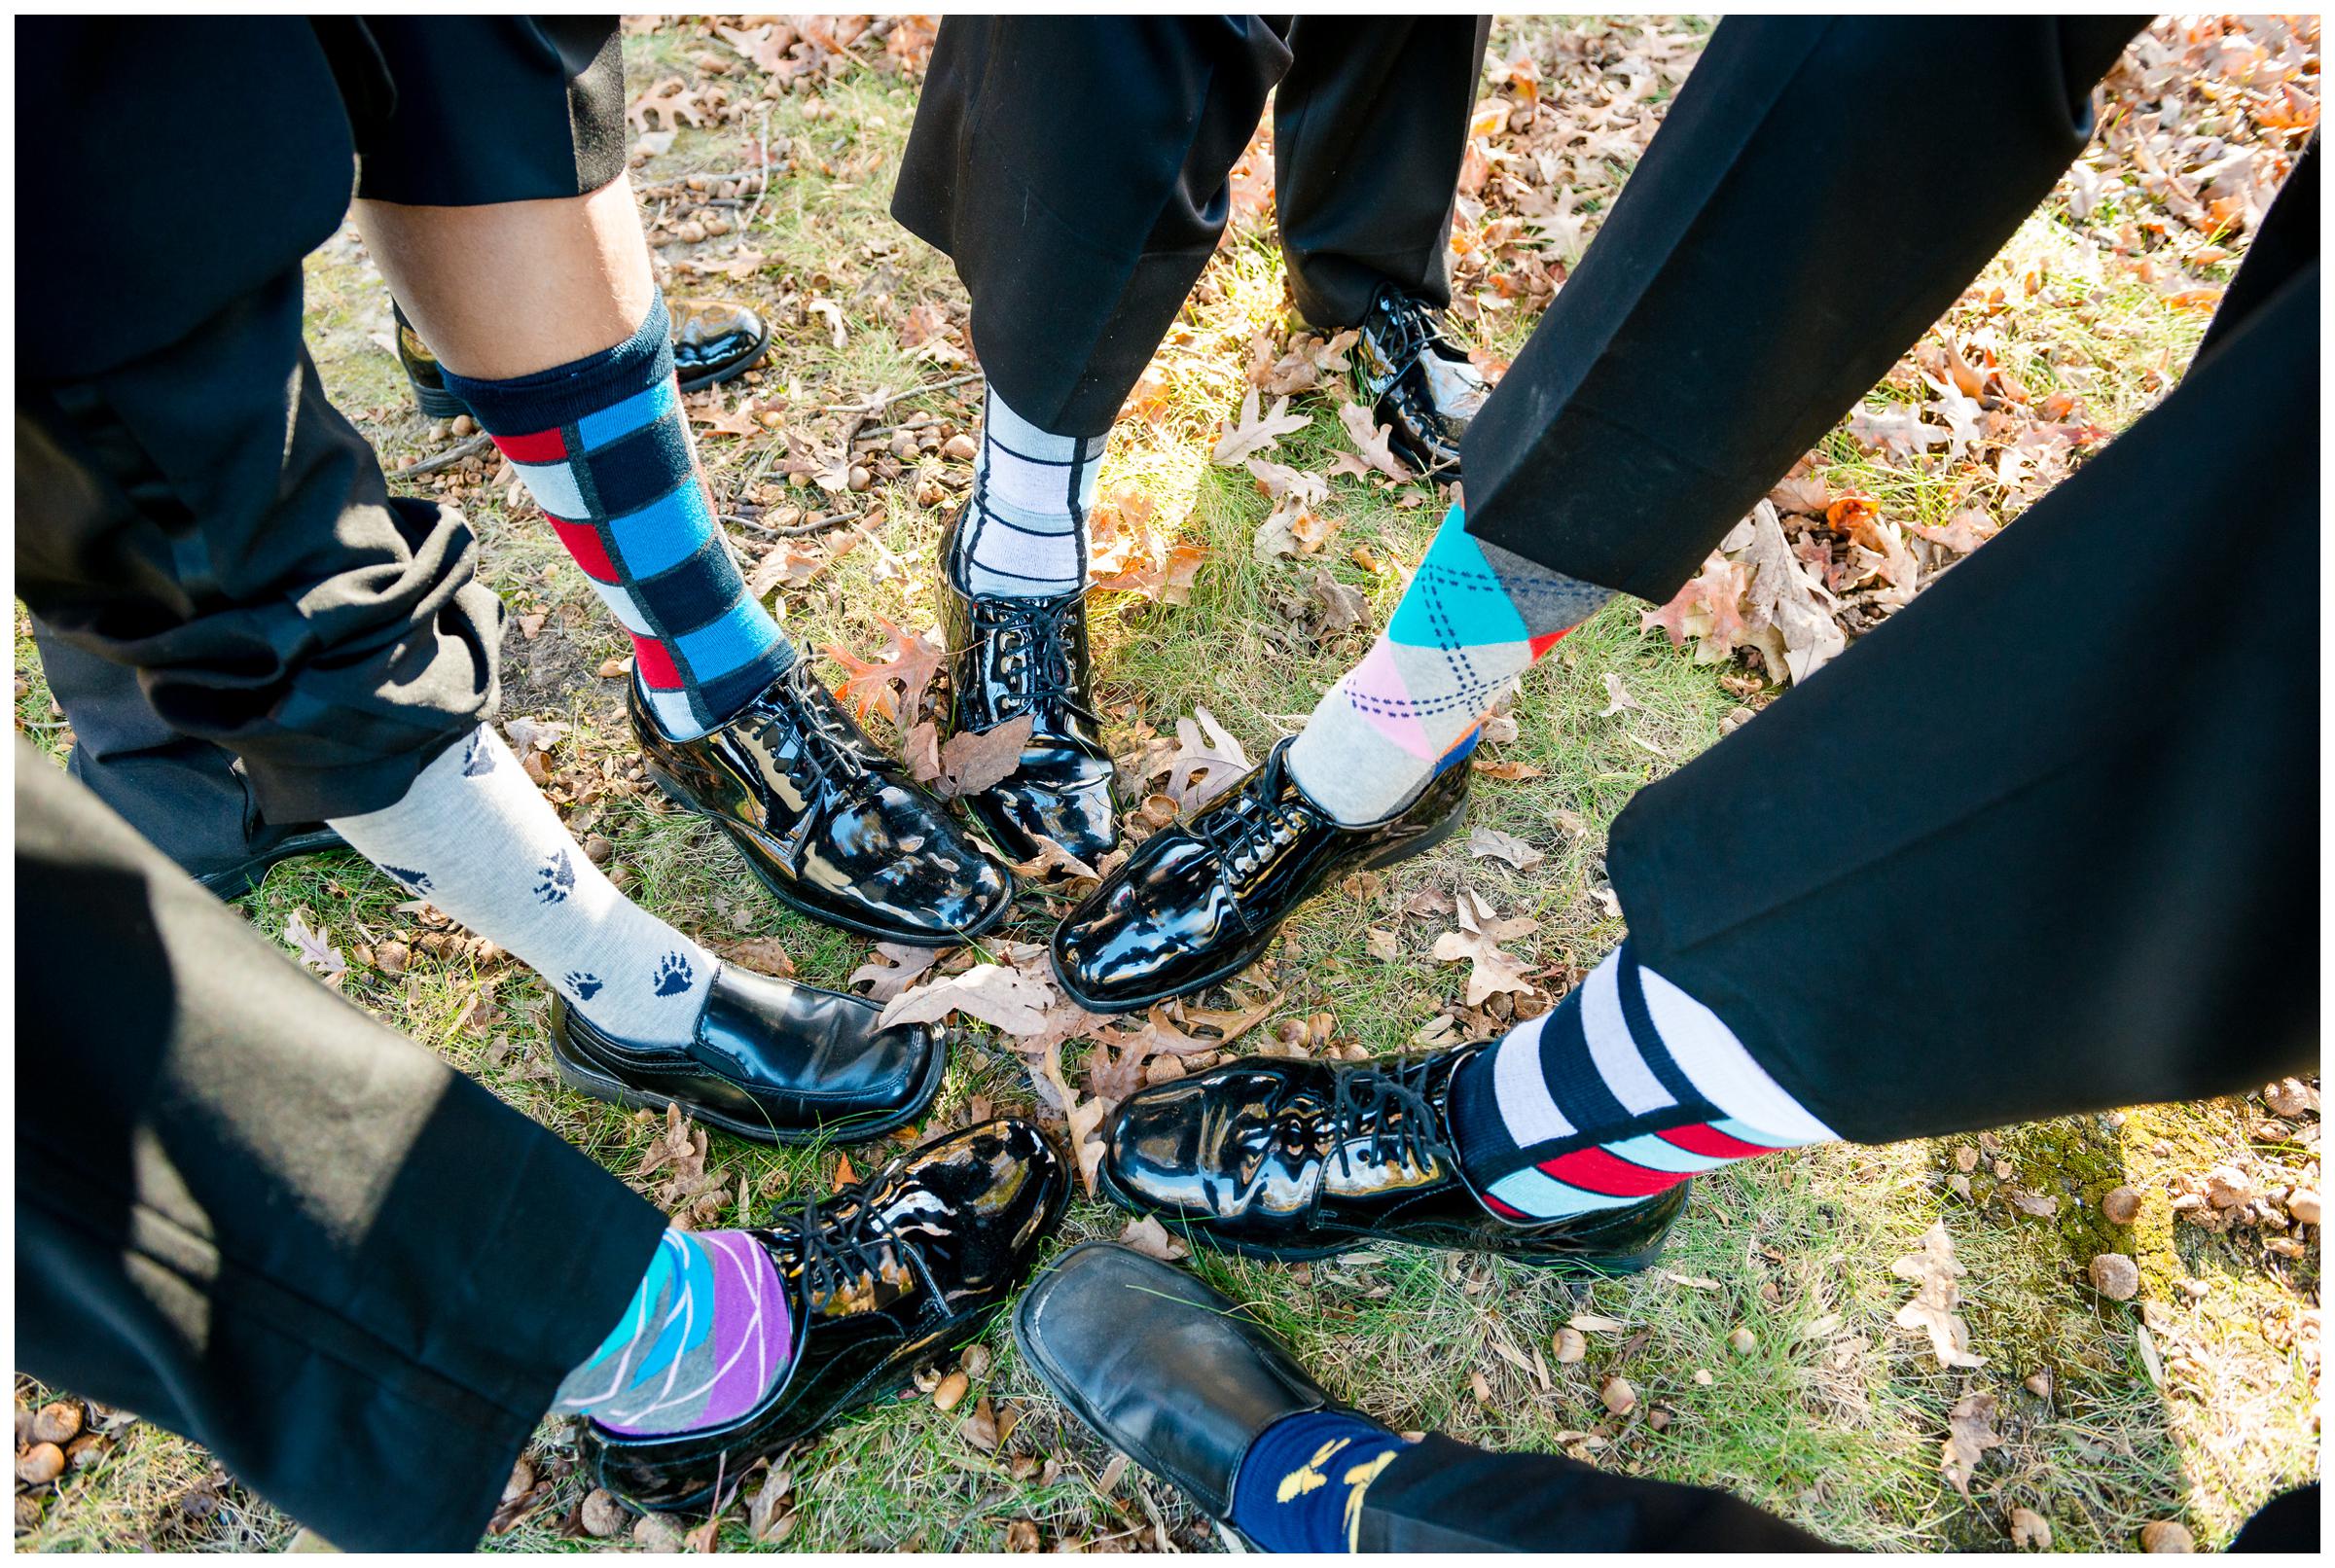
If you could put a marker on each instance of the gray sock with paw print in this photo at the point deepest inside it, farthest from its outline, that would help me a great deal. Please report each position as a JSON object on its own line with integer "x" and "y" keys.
{"x": 474, "y": 837}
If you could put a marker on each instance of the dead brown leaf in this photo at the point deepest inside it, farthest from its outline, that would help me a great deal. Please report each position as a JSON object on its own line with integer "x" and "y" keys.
{"x": 1936, "y": 1298}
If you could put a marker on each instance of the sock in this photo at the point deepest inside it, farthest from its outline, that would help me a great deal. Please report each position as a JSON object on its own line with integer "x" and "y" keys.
{"x": 476, "y": 837}
{"x": 602, "y": 446}
{"x": 1474, "y": 618}
{"x": 1624, "y": 1090}
{"x": 704, "y": 1339}
{"x": 1024, "y": 535}
{"x": 1300, "y": 1484}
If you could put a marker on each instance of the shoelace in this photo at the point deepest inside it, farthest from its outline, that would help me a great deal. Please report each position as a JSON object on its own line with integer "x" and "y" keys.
{"x": 1255, "y": 819}
{"x": 837, "y": 1252}
{"x": 1369, "y": 1096}
{"x": 1040, "y": 667}
{"x": 833, "y": 757}
{"x": 1403, "y": 330}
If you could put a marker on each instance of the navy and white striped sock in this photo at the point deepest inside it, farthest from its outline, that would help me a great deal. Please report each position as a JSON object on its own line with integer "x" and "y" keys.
{"x": 1624, "y": 1090}
{"x": 1025, "y": 530}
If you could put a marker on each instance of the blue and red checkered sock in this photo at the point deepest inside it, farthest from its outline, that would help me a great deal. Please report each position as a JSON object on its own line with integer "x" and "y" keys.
{"x": 603, "y": 447}
{"x": 1624, "y": 1090}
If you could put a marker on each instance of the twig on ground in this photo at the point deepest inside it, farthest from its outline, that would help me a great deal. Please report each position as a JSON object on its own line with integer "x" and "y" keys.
{"x": 470, "y": 447}
{"x": 879, "y": 405}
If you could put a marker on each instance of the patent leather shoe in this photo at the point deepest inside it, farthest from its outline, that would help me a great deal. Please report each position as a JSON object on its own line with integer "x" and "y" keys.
{"x": 771, "y": 1059}
{"x": 1200, "y": 901}
{"x": 1278, "y": 1157}
{"x": 884, "y": 1277}
{"x": 830, "y": 824}
{"x": 715, "y": 341}
{"x": 1419, "y": 384}
{"x": 1163, "y": 1369}
{"x": 1011, "y": 657}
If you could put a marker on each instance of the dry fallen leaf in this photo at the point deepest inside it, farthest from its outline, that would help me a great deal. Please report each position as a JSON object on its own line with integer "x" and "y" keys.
{"x": 1937, "y": 1296}
{"x": 1969, "y": 1433}
{"x": 2030, "y": 1528}
{"x": 1489, "y": 843}
{"x": 1372, "y": 439}
{"x": 1618, "y": 697}
{"x": 315, "y": 951}
{"x": 1207, "y": 760}
{"x": 765, "y": 955}
{"x": 1254, "y": 432}
{"x": 1006, "y": 999}
{"x": 1151, "y": 1238}
{"x": 974, "y": 760}
{"x": 891, "y": 968}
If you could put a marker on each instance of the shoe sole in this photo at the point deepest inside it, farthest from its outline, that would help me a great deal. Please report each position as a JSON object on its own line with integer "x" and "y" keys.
{"x": 1388, "y": 857}
{"x": 779, "y": 891}
{"x": 600, "y": 1086}
{"x": 1602, "y": 1267}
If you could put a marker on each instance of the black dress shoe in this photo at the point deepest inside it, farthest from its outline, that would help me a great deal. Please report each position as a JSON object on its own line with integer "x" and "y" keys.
{"x": 1010, "y": 657}
{"x": 771, "y": 1060}
{"x": 1284, "y": 1159}
{"x": 422, "y": 372}
{"x": 1200, "y": 901}
{"x": 1416, "y": 383}
{"x": 266, "y": 846}
{"x": 884, "y": 1277}
{"x": 1163, "y": 1369}
{"x": 715, "y": 341}
{"x": 832, "y": 825}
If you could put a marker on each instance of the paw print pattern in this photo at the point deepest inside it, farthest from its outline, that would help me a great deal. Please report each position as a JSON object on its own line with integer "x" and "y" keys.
{"x": 480, "y": 759}
{"x": 555, "y": 881}
{"x": 415, "y": 882}
{"x": 673, "y": 974}
{"x": 585, "y": 987}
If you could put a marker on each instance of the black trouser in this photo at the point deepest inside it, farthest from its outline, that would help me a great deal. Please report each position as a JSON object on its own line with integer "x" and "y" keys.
{"x": 1447, "y": 1496}
{"x": 188, "y": 504}
{"x": 1074, "y": 170}
{"x": 1980, "y": 869}
{"x": 251, "y": 1214}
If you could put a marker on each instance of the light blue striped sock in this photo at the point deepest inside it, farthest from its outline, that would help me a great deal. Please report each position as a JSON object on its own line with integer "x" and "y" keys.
{"x": 1025, "y": 530}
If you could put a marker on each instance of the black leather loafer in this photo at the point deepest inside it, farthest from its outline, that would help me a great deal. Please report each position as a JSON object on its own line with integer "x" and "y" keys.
{"x": 1010, "y": 657}
{"x": 1284, "y": 1159}
{"x": 1163, "y": 1369}
{"x": 1421, "y": 386}
{"x": 715, "y": 341}
{"x": 1200, "y": 901}
{"x": 832, "y": 825}
{"x": 886, "y": 1275}
{"x": 266, "y": 846}
{"x": 772, "y": 1061}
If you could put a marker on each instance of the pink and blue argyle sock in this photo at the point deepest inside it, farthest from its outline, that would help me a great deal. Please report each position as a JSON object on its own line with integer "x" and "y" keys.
{"x": 1474, "y": 618}
{"x": 705, "y": 1336}
{"x": 603, "y": 447}
{"x": 1624, "y": 1090}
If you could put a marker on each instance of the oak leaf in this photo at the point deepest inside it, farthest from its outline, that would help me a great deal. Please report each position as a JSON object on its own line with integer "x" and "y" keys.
{"x": 1003, "y": 998}
{"x": 1255, "y": 432}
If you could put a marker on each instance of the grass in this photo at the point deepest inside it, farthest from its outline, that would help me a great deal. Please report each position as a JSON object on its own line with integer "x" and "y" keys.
{"x": 1832, "y": 1417}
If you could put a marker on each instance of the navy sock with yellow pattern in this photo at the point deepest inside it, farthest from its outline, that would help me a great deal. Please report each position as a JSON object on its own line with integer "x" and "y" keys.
{"x": 1302, "y": 1481}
